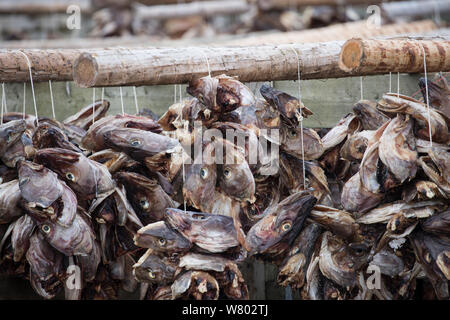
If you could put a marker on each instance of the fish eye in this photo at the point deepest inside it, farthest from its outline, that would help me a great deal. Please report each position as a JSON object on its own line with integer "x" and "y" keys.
{"x": 70, "y": 176}
{"x": 8, "y": 136}
{"x": 144, "y": 203}
{"x": 162, "y": 241}
{"x": 151, "y": 275}
{"x": 428, "y": 257}
{"x": 198, "y": 216}
{"x": 204, "y": 173}
{"x": 227, "y": 173}
{"x": 135, "y": 143}
{"x": 46, "y": 228}
{"x": 292, "y": 133}
{"x": 286, "y": 226}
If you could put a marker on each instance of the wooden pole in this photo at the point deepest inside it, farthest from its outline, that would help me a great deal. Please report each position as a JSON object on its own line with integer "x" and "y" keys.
{"x": 127, "y": 67}
{"x": 287, "y": 4}
{"x": 42, "y": 6}
{"x": 203, "y": 8}
{"x": 362, "y": 57}
{"x": 45, "y": 65}
{"x": 342, "y": 31}
{"x": 422, "y": 8}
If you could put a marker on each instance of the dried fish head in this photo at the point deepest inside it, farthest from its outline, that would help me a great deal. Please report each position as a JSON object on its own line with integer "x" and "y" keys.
{"x": 153, "y": 269}
{"x": 161, "y": 238}
{"x": 371, "y": 118}
{"x": 88, "y": 115}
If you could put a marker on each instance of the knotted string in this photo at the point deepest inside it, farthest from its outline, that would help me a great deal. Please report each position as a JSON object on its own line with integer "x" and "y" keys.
{"x": 51, "y": 98}
{"x": 135, "y": 100}
{"x": 32, "y": 86}
{"x": 121, "y": 101}
{"x": 300, "y": 116}
{"x": 93, "y": 105}
{"x": 426, "y": 94}
{"x": 24, "y": 98}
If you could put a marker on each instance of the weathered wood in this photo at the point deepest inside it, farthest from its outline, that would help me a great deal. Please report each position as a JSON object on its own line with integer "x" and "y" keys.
{"x": 287, "y": 4}
{"x": 422, "y": 8}
{"x": 343, "y": 31}
{"x": 45, "y": 65}
{"x": 363, "y": 57}
{"x": 42, "y": 6}
{"x": 119, "y": 67}
{"x": 181, "y": 10}
{"x": 122, "y": 67}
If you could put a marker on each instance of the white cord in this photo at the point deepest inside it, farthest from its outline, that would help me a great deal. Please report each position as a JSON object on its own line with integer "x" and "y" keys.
{"x": 93, "y": 105}
{"x": 4, "y": 97}
{"x": 32, "y": 86}
{"x": 300, "y": 116}
{"x": 103, "y": 93}
{"x": 426, "y": 94}
{"x": 361, "y": 85}
{"x": 3, "y": 93}
{"x": 398, "y": 84}
{"x": 121, "y": 101}
{"x": 51, "y": 98}
{"x": 207, "y": 62}
{"x": 390, "y": 81}
{"x": 135, "y": 100}
{"x": 24, "y": 97}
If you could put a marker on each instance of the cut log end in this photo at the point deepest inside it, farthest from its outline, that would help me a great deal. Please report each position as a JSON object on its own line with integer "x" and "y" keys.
{"x": 85, "y": 71}
{"x": 351, "y": 55}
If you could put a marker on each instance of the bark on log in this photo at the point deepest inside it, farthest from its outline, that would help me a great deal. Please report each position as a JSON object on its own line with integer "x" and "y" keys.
{"x": 361, "y": 57}
{"x": 42, "y": 6}
{"x": 343, "y": 31}
{"x": 203, "y": 8}
{"x": 45, "y": 65}
{"x": 122, "y": 67}
{"x": 394, "y": 10}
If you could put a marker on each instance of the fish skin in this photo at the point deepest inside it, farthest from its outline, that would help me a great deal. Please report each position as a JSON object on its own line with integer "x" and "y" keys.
{"x": 397, "y": 148}
{"x": 45, "y": 266}
{"x": 153, "y": 269}
{"x": 346, "y": 126}
{"x": 367, "y": 113}
{"x": 393, "y": 103}
{"x": 50, "y": 136}
{"x": 214, "y": 233}
{"x": 9, "y": 201}
{"x": 150, "y": 237}
{"x": 89, "y": 179}
{"x": 267, "y": 235}
{"x": 20, "y": 236}
{"x": 38, "y": 184}
{"x": 10, "y": 133}
{"x": 438, "y": 93}
{"x": 291, "y": 142}
{"x": 146, "y": 196}
{"x": 93, "y": 139}
{"x": 88, "y": 115}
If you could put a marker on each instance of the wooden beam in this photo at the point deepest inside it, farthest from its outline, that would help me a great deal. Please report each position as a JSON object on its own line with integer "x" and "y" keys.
{"x": 125, "y": 67}
{"x": 362, "y": 57}
{"x": 45, "y": 65}
{"x": 42, "y": 6}
{"x": 287, "y": 4}
{"x": 202, "y": 8}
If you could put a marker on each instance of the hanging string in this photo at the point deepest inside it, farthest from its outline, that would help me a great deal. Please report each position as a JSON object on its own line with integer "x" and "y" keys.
{"x": 398, "y": 84}
{"x": 207, "y": 62}
{"x": 32, "y": 86}
{"x": 361, "y": 85}
{"x": 4, "y": 97}
{"x": 390, "y": 81}
{"x": 103, "y": 93}
{"x": 300, "y": 116}
{"x": 426, "y": 94}
{"x": 135, "y": 100}
{"x": 51, "y": 98}
{"x": 174, "y": 93}
{"x": 93, "y": 105}
{"x": 24, "y": 98}
{"x": 3, "y": 94}
{"x": 185, "y": 124}
{"x": 121, "y": 101}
